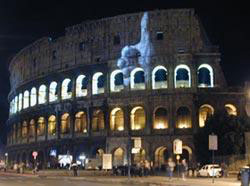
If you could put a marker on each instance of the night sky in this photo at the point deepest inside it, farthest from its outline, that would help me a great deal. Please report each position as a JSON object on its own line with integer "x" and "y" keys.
{"x": 24, "y": 21}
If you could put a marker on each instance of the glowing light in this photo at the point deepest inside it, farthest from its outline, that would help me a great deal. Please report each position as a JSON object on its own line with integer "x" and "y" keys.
{"x": 139, "y": 53}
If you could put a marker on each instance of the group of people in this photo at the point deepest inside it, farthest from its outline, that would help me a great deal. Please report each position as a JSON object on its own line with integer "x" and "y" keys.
{"x": 182, "y": 168}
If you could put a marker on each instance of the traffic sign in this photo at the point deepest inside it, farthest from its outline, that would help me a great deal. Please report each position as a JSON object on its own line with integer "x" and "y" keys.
{"x": 177, "y": 146}
{"x": 34, "y": 154}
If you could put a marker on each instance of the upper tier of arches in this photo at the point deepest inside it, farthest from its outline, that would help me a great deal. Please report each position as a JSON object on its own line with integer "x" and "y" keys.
{"x": 82, "y": 85}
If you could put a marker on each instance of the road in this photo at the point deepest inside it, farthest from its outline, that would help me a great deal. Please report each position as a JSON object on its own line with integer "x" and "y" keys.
{"x": 16, "y": 180}
{"x": 27, "y": 181}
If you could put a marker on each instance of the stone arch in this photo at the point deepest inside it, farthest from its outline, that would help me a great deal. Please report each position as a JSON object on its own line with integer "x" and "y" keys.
{"x": 66, "y": 92}
{"x": 26, "y": 96}
{"x": 32, "y": 128}
{"x": 231, "y": 109}
{"x": 183, "y": 118}
{"x": 205, "y": 111}
{"x": 53, "y": 91}
{"x": 24, "y": 131}
{"x": 81, "y": 122}
{"x": 159, "y": 77}
{"x": 24, "y": 158}
{"x": 20, "y": 102}
{"x": 98, "y": 120}
{"x": 116, "y": 81}
{"x": 98, "y": 83}
{"x": 42, "y": 94}
{"x": 189, "y": 155}
{"x": 160, "y": 118}
{"x": 118, "y": 156}
{"x": 205, "y": 76}
{"x": 33, "y": 96}
{"x": 41, "y": 123}
{"x": 140, "y": 156}
{"x": 81, "y": 86}
{"x": 137, "y": 79}
{"x": 117, "y": 119}
{"x": 65, "y": 123}
{"x": 182, "y": 77}
{"x": 52, "y": 125}
{"x": 161, "y": 155}
{"x": 137, "y": 118}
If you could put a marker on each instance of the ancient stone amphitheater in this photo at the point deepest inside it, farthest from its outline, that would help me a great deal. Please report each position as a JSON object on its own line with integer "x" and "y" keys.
{"x": 153, "y": 75}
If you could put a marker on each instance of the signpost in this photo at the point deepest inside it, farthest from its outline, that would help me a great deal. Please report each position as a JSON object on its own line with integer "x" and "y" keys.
{"x": 107, "y": 161}
{"x": 177, "y": 148}
{"x": 213, "y": 145}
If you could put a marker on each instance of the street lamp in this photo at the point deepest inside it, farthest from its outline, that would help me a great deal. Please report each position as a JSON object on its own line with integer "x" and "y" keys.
{"x": 6, "y": 158}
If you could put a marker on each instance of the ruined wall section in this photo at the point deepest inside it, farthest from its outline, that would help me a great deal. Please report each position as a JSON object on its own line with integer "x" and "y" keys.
{"x": 93, "y": 42}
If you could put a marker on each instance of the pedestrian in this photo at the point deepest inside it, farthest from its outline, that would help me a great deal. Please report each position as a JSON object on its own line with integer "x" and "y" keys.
{"x": 224, "y": 170}
{"x": 74, "y": 168}
{"x": 170, "y": 168}
{"x": 184, "y": 168}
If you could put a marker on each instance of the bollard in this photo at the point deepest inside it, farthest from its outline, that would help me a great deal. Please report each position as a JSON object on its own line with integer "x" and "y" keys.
{"x": 245, "y": 177}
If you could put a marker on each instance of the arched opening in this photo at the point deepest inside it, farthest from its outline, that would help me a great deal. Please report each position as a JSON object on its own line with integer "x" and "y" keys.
{"x": 32, "y": 128}
{"x": 16, "y": 104}
{"x": 118, "y": 157}
{"x": 98, "y": 120}
{"x": 186, "y": 153}
{"x": 183, "y": 118}
{"x": 137, "y": 118}
{"x": 205, "y": 76}
{"x": 40, "y": 160}
{"x": 19, "y": 132}
{"x": 231, "y": 109}
{"x": 65, "y": 124}
{"x": 52, "y": 125}
{"x": 20, "y": 102}
{"x": 159, "y": 78}
{"x": 66, "y": 89}
{"x": 41, "y": 126}
{"x": 24, "y": 158}
{"x": 42, "y": 94}
{"x": 205, "y": 112}
{"x": 81, "y": 122}
{"x": 117, "y": 119}
{"x": 140, "y": 156}
{"x": 182, "y": 76}
{"x": 81, "y": 86}
{"x": 26, "y": 97}
{"x": 98, "y": 83}
{"x": 161, "y": 157}
{"x": 53, "y": 91}
{"x": 33, "y": 97}
{"x": 160, "y": 119}
{"x": 116, "y": 81}
{"x": 137, "y": 79}
{"x": 24, "y": 130}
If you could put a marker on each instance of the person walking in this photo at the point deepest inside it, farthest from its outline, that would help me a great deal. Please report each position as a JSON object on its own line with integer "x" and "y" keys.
{"x": 74, "y": 167}
{"x": 170, "y": 168}
{"x": 184, "y": 168}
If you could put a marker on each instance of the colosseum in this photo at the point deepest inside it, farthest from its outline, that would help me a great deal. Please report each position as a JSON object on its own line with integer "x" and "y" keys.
{"x": 153, "y": 76}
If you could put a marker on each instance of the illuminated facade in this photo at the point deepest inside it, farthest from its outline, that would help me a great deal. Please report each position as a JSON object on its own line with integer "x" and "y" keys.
{"x": 152, "y": 75}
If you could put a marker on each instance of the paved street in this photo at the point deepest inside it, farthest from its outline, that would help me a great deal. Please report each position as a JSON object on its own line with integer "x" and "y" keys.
{"x": 29, "y": 180}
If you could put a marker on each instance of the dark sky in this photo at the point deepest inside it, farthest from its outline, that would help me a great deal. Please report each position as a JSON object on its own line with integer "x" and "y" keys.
{"x": 24, "y": 21}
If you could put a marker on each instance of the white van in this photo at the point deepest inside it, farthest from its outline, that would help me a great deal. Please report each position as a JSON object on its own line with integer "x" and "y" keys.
{"x": 210, "y": 170}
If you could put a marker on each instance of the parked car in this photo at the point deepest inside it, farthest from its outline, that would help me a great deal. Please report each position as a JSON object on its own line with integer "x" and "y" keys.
{"x": 210, "y": 170}
{"x": 242, "y": 169}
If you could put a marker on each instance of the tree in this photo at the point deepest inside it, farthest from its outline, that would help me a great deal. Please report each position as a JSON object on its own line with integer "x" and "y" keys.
{"x": 230, "y": 131}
